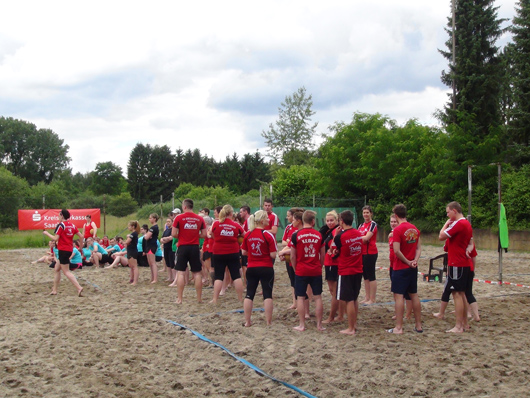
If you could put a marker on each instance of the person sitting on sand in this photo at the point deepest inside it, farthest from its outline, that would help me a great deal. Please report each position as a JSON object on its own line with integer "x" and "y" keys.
{"x": 49, "y": 257}
{"x": 64, "y": 236}
{"x": 260, "y": 247}
{"x": 347, "y": 249}
{"x": 307, "y": 258}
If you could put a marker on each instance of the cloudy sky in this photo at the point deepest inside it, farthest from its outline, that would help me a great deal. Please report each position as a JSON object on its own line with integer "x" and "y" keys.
{"x": 105, "y": 75}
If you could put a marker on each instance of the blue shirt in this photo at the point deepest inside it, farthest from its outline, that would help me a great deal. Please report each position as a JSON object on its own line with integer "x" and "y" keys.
{"x": 76, "y": 259}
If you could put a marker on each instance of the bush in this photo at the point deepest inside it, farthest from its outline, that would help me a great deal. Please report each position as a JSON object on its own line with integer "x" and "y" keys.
{"x": 121, "y": 205}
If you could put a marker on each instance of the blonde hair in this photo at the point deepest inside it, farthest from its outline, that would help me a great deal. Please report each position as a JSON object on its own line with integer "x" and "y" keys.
{"x": 333, "y": 214}
{"x": 257, "y": 218}
{"x": 225, "y": 212}
{"x": 135, "y": 225}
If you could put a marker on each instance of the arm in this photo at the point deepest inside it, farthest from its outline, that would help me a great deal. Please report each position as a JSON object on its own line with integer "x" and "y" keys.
{"x": 399, "y": 255}
{"x": 203, "y": 234}
{"x": 273, "y": 255}
{"x": 366, "y": 238}
{"x": 52, "y": 237}
{"x": 417, "y": 255}
{"x": 148, "y": 235}
{"x": 293, "y": 258}
{"x": 274, "y": 230}
{"x": 443, "y": 236}
{"x": 175, "y": 232}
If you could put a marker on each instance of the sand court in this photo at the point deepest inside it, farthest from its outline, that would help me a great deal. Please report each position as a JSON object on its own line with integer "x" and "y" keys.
{"x": 117, "y": 341}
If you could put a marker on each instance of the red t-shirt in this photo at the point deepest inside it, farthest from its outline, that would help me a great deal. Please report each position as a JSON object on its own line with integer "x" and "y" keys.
{"x": 307, "y": 242}
{"x": 189, "y": 225}
{"x": 408, "y": 236}
{"x": 245, "y": 225}
{"x": 207, "y": 245}
{"x": 259, "y": 244}
{"x": 459, "y": 233}
{"x": 287, "y": 232}
{"x": 370, "y": 246}
{"x": 66, "y": 231}
{"x": 349, "y": 245}
{"x": 273, "y": 221}
{"x": 329, "y": 260}
{"x": 225, "y": 236}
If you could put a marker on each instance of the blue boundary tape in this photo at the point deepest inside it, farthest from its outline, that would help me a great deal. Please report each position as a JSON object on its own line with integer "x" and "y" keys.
{"x": 230, "y": 312}
{"x": 90, "y": 283}
{"x": 244, "y": 361}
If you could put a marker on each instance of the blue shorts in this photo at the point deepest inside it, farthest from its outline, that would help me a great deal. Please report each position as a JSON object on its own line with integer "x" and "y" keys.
{"x": 301, "y": 283}
{"x": 405, "y": 281}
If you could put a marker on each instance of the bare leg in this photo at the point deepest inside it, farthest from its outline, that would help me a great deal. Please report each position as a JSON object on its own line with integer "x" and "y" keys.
{"x": 133, "y": 264}
{"x": 238, "y": 285}
{"x": 366, "y": 292}
{"x": 474, "y": 311}
{"x": 198, "y": 285}
{"x": 416, "y": 307}
{"x": 56, "y": 278}
{"x": 151, "y": 259}
{"x": 400, "y": 309}
{"x": 352, "y": 317}
{"x": 247, "y": 307}
{"x": 373, "y": 291}
{"x": 332, "y": 285}
{"x": 458, "y": 298}
{"x": 66, "y": 271}
{"x": 300, "y": 306}
{"x": 217, "y": 286}
{"x": 267, "y": 303}
{"x": 441, "y": 314}
{"x": 181, "y": 282}
{"x": 319, "y": 311}
{"x": 408, "y": 309}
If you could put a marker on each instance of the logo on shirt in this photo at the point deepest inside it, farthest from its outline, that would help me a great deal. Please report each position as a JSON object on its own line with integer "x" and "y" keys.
{"x": 190, "y": 226}
{"x": 355, "y": 249}
{"x": 310, "y": 251}
{"x": 256, "y": 249}
{"x": 411, "y": 235}
{"x": 224, "y": 232}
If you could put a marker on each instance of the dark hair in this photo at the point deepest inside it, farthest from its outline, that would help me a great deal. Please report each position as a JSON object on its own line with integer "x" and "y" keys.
{"x": 188, "y": 203}
{"x": 145, "y": 227}
{"x": 88, "y": 216}
{"x": 347, "y": 217}
{"x": 455, "y": 206}
{"x": 246, "y": 208}
{"x": 218, "y": 209}
{"x": 267, "y": 200}
{"x": 65, "y": 213}
{"x": 400, "y": 210}
{"x": 369, "y": 208}
{"x": 298, "y": 215}
{"x": 206, "y": 210}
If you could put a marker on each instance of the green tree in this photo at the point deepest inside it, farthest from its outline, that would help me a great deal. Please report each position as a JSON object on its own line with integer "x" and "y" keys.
{"x": 477, "y": 70}
{"x": 151, "y": 173}
{"x": 290, "y": 138}
{"x": 53, "y": 194}
{"x": 35, "y": 155}
{"x": 519, "y": 112}
{"x": 12, "y": 196}
{"x": 294, "y": 185}
{"x": 107, "y": 178}
{"x": 122, "y": 205}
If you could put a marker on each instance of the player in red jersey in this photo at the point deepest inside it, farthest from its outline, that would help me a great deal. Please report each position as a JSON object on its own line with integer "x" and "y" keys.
{"x": 188, "y": 227}
{"x": 347, "y": 248}
{"x": 307, "y": 258}
{"x": 392, "y": 257}
{"x": 331, "y": 265}
{"x": 225, "y": 233}
{"x": 368, "y": 230}
{"x": 260, "y": 247}
{"x": 64, "y": 236}
{"x": 274, "y": 221}
{"x": 457, "y": 230}
{"x": 295, "y": 225}
{"x": 407, "y": 249}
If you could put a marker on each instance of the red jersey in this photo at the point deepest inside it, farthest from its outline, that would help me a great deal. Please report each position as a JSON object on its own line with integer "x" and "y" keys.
{"x": 274, "y": 221}
{"x": 245, "y": 225}
{"x": 189, "y": 225}
{"x": 459, "y": 233}
{"x": 259, "y": 244}
{"x": 66, "y": 231}
{"x": 87, "y": 228}
{"x": 307, "y": 242}
{"x": 408, "y": 236}
{"x": 349, "y": 245}
{"x": 287, "y": 232}
{"x": 329, "y": 260}
{"x": 207, "y": 245}
{"x": 370, "y": 246}
{"x": 225, "y": 236}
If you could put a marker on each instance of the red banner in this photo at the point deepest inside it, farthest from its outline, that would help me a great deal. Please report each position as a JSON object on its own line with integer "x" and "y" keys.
{"x": 49, "y": 218}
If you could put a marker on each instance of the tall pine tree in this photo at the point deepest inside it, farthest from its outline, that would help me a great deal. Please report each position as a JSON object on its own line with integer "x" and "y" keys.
{"x": 477, "y": 69}
{"x": 519, "y": 112}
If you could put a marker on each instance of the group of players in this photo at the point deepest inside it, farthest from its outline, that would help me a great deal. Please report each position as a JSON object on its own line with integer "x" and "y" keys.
{"x": 247, "y": 249}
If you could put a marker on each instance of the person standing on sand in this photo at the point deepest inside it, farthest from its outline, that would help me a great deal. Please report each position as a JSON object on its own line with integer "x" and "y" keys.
{"x": 64, "y": 236}
{"x": 407, "y": 250}
{"x": 90, "y": 228}
{"x": 347, "y": 248}
{"x": 457, "y": 230}
{"x": 307, "y": 259}
{"x": 188, "y": 227}
{"x": 368, "y": 230}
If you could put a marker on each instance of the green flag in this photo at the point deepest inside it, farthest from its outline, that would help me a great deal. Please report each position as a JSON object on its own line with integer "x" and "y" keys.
{"x": 503, "y": 229}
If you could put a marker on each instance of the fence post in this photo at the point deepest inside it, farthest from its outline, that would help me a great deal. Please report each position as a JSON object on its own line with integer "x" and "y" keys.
{"x": 104, "y": 214}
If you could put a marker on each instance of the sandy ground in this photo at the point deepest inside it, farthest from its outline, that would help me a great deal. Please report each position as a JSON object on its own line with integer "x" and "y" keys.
{"x": 116, "y": 342}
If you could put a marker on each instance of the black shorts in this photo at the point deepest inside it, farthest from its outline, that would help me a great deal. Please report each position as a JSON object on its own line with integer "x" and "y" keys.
{"x": 332, "y": 273}
{"x": 222, "y": 261}
{"x": 75, "y": 266}
{"x": 301, "y": 283}
{"x": 265, "y": 275}
{"x": 64, "y": 256}
{"x": 169, "y": 257}
{"x": 133, "y": 255}
{"x": 369, "y": 261}
{"x": 189, "y": 254}
{"x": 105, "y": 258}
{"x": 405, "y": 281}
{"x": 290, "y": 273}
{"x": 206, "y": 256}
{"x": 349, "y": 287}
{"x": 458, "y": 278}
{"x": 244, "y": 261}
{"x": 142, "y": 260}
